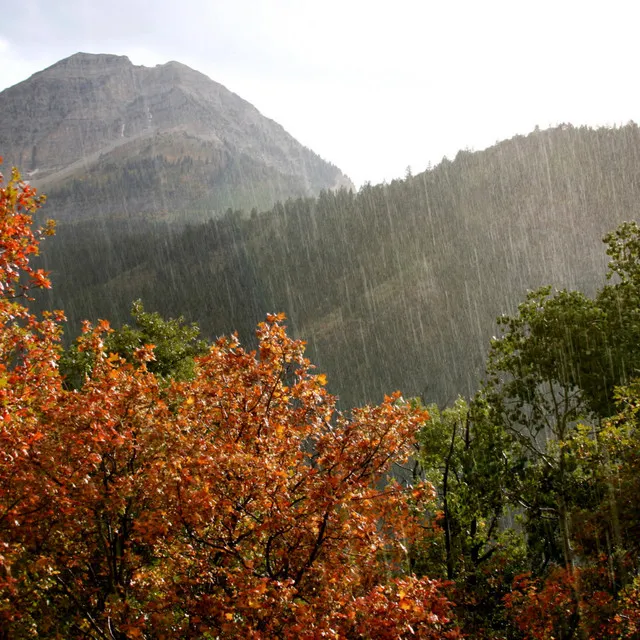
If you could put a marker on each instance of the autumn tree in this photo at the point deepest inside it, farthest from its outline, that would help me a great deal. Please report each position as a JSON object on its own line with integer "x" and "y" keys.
{"x": 29, "y": 385}
{"x": 237, "y": 503}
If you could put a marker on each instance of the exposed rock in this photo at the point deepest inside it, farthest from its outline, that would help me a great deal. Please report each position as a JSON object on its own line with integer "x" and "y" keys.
{"x": 100, "y": 134}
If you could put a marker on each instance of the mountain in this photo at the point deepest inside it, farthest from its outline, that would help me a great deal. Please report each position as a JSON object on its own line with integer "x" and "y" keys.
{"x": 101, "y": 135}
{"x": 395, "y": 287}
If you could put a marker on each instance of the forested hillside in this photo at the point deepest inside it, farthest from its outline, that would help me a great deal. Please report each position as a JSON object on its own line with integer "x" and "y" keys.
{"x": 396, "y": 286}
{"x": 157, "y": 485}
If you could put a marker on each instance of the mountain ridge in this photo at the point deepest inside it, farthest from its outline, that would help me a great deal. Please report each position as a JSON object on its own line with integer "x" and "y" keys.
{"x": 67, "y": 125}
{"x": 396, "y": 286}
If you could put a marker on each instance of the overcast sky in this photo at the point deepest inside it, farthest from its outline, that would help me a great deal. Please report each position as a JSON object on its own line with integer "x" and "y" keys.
{"x": 372, "y": 86}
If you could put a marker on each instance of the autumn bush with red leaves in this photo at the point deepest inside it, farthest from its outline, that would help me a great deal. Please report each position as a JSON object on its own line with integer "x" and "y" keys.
{"x": 239, "y": 504}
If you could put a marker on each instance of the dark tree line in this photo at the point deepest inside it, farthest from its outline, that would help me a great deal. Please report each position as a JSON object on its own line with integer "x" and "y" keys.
{"x": 395, "y": 286}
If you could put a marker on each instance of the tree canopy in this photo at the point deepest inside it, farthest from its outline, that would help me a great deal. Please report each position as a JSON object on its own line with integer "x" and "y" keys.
{"x": 154, "y": 486}
{"x": 236, "y": 502}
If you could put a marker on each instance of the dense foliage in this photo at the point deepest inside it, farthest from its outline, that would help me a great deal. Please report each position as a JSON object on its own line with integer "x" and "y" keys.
{"x": 168, "y": 490}
{"x": 175, "y": 345}
{"x": 549, "y": 446}
{"x": 233, "y": 503}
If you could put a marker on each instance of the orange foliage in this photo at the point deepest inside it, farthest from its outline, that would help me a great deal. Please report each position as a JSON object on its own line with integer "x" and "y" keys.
{"x": 566, "y": 605}
{"x": 542, "y": 611}
{"x": 239, "y": 504}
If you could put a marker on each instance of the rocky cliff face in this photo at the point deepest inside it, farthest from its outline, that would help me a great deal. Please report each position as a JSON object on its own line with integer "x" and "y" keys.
{"x": 100, "y": 134}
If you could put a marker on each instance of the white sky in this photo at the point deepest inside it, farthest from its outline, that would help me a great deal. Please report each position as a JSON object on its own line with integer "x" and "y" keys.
{"x": 372, "y": 86}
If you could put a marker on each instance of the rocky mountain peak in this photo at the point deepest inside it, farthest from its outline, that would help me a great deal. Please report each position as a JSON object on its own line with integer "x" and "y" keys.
{"x": 89, "y": 120}
{"x": 84, "y": 64}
